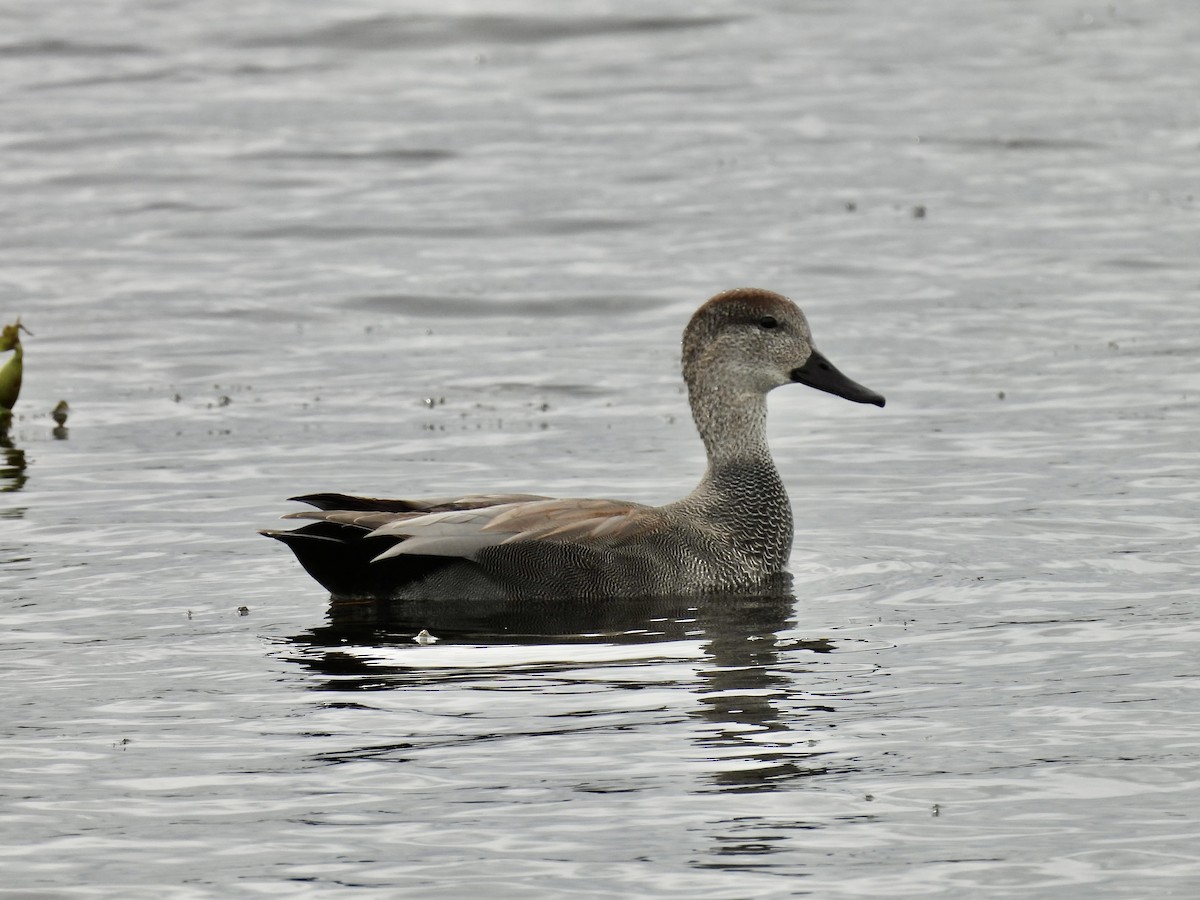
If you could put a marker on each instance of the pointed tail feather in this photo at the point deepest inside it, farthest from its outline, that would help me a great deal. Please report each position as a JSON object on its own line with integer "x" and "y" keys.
{"x": 338, "y": 558}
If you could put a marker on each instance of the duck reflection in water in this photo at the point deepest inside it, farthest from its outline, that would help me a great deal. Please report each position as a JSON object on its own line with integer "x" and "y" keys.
{"x": 628, "y": 620}
{"x": 12, "y": 472}
{"x": 742, "y": 693}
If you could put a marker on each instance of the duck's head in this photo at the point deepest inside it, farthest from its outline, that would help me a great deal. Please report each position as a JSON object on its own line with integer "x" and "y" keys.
{"x": 756, "y": 340}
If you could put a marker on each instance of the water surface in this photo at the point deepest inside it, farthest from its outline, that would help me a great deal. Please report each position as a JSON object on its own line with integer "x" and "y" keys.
{"x": 267, "y": 249}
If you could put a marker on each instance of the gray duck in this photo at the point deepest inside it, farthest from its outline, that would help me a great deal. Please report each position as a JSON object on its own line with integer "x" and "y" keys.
{"x": 732, "y": 532}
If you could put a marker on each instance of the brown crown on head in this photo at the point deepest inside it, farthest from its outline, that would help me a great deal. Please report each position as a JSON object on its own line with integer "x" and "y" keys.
{"x": 736, "y": 306}
{"x": 736, "y": 303}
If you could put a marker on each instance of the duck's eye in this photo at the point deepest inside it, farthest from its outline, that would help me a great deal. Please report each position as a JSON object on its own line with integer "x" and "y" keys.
{"x": 768, "y": 322}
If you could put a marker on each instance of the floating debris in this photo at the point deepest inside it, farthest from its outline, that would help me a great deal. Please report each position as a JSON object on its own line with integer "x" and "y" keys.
{"x": 918, "y": 212}
{"x": 243, "y": 610}
{"x": 425, "y": 638}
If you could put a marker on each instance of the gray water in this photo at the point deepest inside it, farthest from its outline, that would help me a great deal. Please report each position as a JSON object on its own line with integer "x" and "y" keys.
{"x": 267, "y": 249}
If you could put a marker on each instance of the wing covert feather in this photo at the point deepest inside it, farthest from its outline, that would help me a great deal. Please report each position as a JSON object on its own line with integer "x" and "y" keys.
{"x": 466, "y": 532}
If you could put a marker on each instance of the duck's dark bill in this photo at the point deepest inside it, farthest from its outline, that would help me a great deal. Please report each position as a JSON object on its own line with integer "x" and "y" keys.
{"x": 823, "y": 375}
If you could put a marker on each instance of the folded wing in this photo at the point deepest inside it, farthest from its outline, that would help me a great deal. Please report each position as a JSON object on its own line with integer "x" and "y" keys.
{"x": 464, "y": 533}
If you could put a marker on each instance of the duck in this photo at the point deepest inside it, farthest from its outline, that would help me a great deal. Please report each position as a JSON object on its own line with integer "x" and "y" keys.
{"x": 733, "y": 532}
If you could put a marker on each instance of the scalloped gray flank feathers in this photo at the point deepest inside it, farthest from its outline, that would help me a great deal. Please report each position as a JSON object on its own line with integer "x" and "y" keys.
{"x": 733, "y": 532}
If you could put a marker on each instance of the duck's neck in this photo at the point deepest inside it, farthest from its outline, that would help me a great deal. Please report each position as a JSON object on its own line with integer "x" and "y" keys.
{"x": 741, "y": 488}
{"x": 732, "y": 425}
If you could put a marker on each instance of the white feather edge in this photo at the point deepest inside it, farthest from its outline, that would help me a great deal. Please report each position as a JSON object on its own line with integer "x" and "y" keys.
{"x": 463, "y": 533}
{"x": 435, "y": 524}
{"x": 465, "y": 546}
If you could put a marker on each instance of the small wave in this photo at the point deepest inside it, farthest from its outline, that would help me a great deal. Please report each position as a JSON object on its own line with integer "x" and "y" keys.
{"x": 392, "y": 32}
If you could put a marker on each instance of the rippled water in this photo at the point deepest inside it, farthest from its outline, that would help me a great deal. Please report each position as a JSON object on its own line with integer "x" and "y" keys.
{"x": 271, "y": 248}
